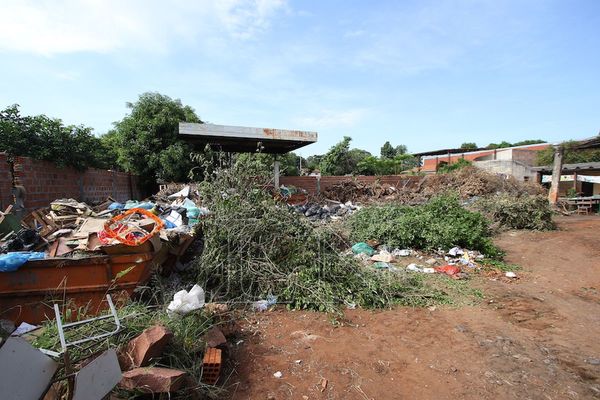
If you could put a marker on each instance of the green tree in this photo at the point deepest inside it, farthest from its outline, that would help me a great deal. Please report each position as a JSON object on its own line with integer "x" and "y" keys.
{"x": 45, "y": 138}
{"x": 386, "y": 166}
{"x": 336, "y": 160}
{"x": 469, "y": 146}
{"x": 570, "y": 155}
{"x": 505, "y": 144}
{"x": 387, "y": 150}
{"x": 355, "y": 156}
{"x": 148, "y": 143}
{"x": 314, "y": 162}
{"x": 401, "y": 149}
{"x": 529, "y": 141}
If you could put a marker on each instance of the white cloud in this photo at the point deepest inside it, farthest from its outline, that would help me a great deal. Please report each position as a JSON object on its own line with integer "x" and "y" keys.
{"x": 332, "y": 118}
{"x": 66, "y": 26}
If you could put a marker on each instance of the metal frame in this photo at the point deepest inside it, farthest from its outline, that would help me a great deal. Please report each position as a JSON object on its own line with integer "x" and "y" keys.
{"x": 61, "y": 327}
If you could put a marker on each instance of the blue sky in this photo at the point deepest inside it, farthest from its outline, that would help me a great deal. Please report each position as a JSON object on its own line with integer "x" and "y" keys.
{"x": 427, "y": 74}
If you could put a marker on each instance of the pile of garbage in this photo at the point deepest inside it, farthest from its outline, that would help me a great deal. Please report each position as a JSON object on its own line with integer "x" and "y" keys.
{"x": 325, "y": 212}
{"x": 456, "y": 262}
{"x": 352, "y": 190}
{"x": 69, "y": 228}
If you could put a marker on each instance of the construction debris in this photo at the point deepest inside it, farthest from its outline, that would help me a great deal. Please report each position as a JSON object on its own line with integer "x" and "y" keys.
{"x": 147, "y": 346}
{"x": 154, "y": 380}
{"x": 211, "y": 366}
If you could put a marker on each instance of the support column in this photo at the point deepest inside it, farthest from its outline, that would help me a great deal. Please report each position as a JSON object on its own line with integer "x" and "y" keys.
{"x": 575, "y": 181}
{"x": 556, "y": 172}
{"x": 276, "y": 172}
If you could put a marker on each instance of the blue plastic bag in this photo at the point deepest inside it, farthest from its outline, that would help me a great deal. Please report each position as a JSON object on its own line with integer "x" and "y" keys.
{"x": 13, "y": 261}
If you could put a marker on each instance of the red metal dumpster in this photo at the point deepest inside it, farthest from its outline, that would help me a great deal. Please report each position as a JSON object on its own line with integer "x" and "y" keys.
{"x": 28, "y": 293}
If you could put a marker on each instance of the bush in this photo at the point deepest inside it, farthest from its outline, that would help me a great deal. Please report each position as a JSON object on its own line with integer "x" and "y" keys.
{"x": 460, "y": 164}
{"x": 440, "y": 223}
{"x": 255, "y": 246}
{"x": 517, "y": 212}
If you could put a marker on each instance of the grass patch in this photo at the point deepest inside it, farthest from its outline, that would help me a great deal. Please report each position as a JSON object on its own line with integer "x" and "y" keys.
{"x": 499, "y": 265}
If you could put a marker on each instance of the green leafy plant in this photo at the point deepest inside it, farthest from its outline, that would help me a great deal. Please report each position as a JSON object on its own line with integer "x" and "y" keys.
{"x": 440, "y": 223}
{"x": 517, "y": 212}
{"x": 255, "y": 246}
{"x": 460, "y": 164}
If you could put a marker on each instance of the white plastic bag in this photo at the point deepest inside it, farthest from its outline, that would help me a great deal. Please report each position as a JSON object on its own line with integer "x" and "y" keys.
{"x": 185, "y": 302}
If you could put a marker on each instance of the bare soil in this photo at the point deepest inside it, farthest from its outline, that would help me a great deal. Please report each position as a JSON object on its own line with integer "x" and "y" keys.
{"x": 534, "y": 338}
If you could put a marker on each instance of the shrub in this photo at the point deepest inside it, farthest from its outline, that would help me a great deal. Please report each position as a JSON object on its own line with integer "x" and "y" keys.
{"x": 440, "y": 223}
{"x": 255, "y": 246}
{"x": 517, "y": 212}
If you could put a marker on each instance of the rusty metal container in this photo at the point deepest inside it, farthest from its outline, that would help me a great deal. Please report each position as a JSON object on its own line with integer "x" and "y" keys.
{"x": 28, "y": 293}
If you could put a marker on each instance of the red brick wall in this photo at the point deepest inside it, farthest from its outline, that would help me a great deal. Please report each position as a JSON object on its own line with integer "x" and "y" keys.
{"x": 45, "y": 182}
{"x": 312, "y": 183}
{"x": 5, "y": 183}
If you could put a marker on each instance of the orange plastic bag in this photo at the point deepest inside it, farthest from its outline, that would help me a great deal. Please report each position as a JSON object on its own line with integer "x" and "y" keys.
{"x": 120, "y": 229}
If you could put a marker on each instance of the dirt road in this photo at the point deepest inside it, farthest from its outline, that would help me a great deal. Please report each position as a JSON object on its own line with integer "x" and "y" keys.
{"x": 538, "y": 338}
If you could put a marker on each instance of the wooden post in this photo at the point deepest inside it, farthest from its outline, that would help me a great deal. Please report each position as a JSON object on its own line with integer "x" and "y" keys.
{"x": 575, "y": 181}
{"x": 556, "y": 172}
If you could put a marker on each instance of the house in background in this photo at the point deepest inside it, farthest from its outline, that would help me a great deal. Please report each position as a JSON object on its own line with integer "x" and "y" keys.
{"x": 582, "y": 179}
{"x": 514, "y": 161}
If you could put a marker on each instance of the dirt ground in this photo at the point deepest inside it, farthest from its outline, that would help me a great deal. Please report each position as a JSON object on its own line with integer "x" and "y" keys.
{"x": 537, "y": 338}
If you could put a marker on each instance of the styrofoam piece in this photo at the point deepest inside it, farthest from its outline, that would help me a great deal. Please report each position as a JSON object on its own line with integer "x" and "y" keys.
{"x": 185, "y": 192}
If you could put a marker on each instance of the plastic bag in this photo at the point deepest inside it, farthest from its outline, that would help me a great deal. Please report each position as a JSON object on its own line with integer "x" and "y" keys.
{"x": 362, "y": 247}
{"x": 13, "y": 261}
{"x": 185, "y": 302}
{"x": 448, "y": 269}
{"x": 262, "y": 305}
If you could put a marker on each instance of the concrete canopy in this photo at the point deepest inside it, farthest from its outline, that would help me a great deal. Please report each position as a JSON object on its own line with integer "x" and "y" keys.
{"x": 243, "y": 139}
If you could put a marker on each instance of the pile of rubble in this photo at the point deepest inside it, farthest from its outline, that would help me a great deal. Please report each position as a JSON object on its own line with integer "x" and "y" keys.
{"x": 68, "y": 228}
{"x": 331, "y": 211}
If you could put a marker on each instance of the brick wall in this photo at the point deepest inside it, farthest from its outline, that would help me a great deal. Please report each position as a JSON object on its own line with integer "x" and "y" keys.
{"x": 5, "y": 183}
{"x": 315, "y": 185}
{"x": 45, "y": 182}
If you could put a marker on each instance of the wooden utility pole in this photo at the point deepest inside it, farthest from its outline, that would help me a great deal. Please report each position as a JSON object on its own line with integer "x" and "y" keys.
{"x": 556, "y": 172}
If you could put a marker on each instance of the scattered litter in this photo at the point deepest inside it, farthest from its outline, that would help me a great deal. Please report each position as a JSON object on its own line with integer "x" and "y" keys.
{"x": 13, "y": 261}
{"x": 362, "y": 247}
{"x": 185, "y": 302}
{"x": 323, "y": 384}
{"x": 263, "y": 305}
{"x": 455, "y": 251}
{"x": 414, "y": 268}
{"x": 23, "y": 329}
{"x": 401, "y": 252}
{"x": 278, "y": 374}
{"x": 429, "y": 270}
{"x": 382, "y": 265}
{"x": 510, "y": 274}
{"x": 383, "y": 256}
{"x": 298, "y": 362}
{"x": 448, "y": 270}
{"x": 431, "y": 261}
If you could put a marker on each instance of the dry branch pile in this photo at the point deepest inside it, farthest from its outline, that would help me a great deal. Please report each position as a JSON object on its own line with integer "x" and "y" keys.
{"x": 467, "y": 182}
